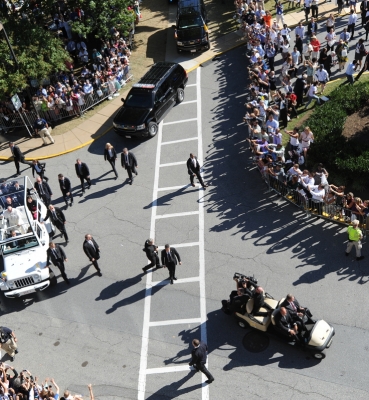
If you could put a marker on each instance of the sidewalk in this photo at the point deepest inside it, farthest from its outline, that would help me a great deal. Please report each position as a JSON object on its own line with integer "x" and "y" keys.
{"x": 95, "y": 126}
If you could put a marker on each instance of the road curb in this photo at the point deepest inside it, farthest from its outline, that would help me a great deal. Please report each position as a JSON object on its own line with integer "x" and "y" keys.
{"x": 62, "y": 152}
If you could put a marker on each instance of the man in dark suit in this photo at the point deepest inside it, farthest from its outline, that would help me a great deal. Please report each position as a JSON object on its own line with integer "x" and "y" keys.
{"x": 58, "y": 219}
{"x": 297, "y": 312}
{"x": 18, "y": 156}
{"x": 129, "y": 163}
{"x": 363, "y": 9}
{"x": 259, "y": 297}
{"x": 44, "y": 191}
{"x": 11, "y": 201}
{"x": 56, "y": 254}
{"x": 312, "y": 27}
{"x": 169, "y": 257}
{"x": 66, "y": 189}
{"x": 16, "y": 188}
{"x": 285, "y": 323}
{"x": 92, "y": 251}
{"x": 193, "y": 169}
{"x": 151, "y": 251}
{"x": 198, "y": 360}
{"x": 15, "y": 243}
{"x": 83, "y": 174}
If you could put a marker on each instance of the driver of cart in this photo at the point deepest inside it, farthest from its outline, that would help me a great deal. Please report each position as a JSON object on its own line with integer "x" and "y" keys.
{"x": 237, "y": 299}
{"x": 259, "y": 297}
{"x": 285, "y": 323}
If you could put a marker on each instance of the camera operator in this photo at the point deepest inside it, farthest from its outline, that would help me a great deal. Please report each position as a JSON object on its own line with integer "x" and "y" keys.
{"x": 151, "y": 251}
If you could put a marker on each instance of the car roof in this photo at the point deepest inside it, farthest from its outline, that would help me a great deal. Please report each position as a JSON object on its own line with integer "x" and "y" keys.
{"x": 153, "y": 77}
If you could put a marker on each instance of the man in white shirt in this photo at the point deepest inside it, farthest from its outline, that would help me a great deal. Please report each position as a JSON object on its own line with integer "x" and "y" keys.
{"x": 323, "y": 77}
{"x": 345, "y": 36}
{"x": 312, "y": 94}
{"x": 351, "y": 23}
{"x": 300, "y": 30}
{"x": 13, "y": 216}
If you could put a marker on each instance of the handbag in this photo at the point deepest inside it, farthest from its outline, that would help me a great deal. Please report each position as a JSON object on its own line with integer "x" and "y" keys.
{"x": 344, "y": 53}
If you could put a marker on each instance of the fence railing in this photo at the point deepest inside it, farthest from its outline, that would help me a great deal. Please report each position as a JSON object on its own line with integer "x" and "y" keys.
{"x": 314, "y": 208}
{"x": 62, "y": 110}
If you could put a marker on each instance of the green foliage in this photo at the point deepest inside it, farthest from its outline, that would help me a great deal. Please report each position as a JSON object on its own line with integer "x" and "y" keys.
{"x": 346, "y": 158}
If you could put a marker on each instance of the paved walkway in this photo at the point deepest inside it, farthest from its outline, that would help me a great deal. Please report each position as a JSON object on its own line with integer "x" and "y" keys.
{"x": 93, "y": 127}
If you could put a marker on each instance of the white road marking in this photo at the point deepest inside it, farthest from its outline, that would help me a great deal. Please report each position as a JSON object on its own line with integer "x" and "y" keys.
{"x": 203, "y": 316}
{"x": 171, "y": 164}
{"x": 183, "y": 280}
{"x": 180, "y": 122}
{"x": 192, "y": 84}
{"x": 188, "y": 102}
{"x": 144, "y": 371}
{"x": 173, "y": 215}
{"x": 165, "y": 370}
{"x": 191, "y": 244}
{"x": 176, "y": 322}
{"x": 172, "y": 188}
{"x": 179, "y": 141}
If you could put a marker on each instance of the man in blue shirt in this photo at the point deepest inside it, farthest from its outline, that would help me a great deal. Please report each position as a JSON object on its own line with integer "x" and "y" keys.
{"x": 42, "y": 128}
{"x": 350, "y": 73}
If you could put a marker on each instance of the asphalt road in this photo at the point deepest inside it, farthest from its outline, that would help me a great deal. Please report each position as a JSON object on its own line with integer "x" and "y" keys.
{"x": 91, "y": 331}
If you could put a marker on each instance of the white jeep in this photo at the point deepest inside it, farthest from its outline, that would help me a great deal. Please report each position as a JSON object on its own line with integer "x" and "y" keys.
{"x": 23, "y": 240}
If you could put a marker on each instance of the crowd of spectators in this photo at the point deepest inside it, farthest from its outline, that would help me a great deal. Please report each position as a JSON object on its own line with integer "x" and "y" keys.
{"x": 95, "y": 73}
{"x": 280, "y": 86}
{"x": 24, "y": 386}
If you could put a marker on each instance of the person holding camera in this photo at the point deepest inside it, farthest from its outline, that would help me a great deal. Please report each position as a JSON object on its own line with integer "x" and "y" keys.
{"x": 8, "y": 341}
{"x": 151, "y": 251}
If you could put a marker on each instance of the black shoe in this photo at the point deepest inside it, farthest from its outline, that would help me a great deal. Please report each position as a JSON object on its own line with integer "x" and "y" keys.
{"x": 12, "y": 358}
{"x": 71, "y": 204}
{"x": 209, "y": 381}
{"x": 359, "y": 258}
{"x": 16, "y": 351}
{"x": 130, "y": 182}
{"x": 99, "y": 273}
{"x": 136, "y": 173}
{"x": 66, "y": 206}
{"x": 171, "y": 281}
{"x": 88, "y": 187}
{"x": 144, "y": 270}
{"x": 174, "y": 278}
{"x": 347, "y": 254}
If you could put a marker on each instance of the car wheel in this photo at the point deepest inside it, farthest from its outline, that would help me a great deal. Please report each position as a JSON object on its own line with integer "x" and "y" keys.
{"x": 178, "y": 51}
{"x": 208, "y": 45}
{"x": 319, "y": 356}
{"x": 53, "y": 280}
{"x": 180, "y": 95}
{"x": 152, "y": 129}
{"x": 243, "y": 324}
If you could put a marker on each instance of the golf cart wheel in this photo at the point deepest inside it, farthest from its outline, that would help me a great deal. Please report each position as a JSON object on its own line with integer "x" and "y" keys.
{"x": 243, "y": 324}
{"x": 180, "y": 95}
{"x": 319, "y": 356}
{"x": 153, "y": 129}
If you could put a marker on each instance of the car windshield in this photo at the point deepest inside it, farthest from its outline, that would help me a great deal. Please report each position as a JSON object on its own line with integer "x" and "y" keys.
{"x": 139, "y": 99}
{"x": 190, "y": 21}
{"x": 23, "y": 243}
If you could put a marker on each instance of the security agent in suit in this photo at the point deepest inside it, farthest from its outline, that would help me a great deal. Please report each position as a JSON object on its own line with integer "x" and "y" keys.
{"x": 83, "y": 174}
{"x": 297, "y": 312}
{"x": 18, "y": 156}
{"x": 11, "y": 201}
{"x": 66, "y": 189}
{"x": 58, "y": 219}
{"x": 259, "y": 296}
{"x": 92, "y": 251}
{"x": 285, "y": 323}
{"x": 169, "y": 257}
{"x": 129, "y": 163}
{"x": 44, "y": 191}
{"x": 15, "y": 243}
{"x": 193, "y": 169}
{"x": 198, "y": 360}
{"x": 56, "y": 254}
{"x": 39, "y": 168}
{"x": 111, "y": 155}
{"x": 151, "y": 251}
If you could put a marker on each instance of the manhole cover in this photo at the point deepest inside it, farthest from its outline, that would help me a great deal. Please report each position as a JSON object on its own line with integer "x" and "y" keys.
{"x": 255, "y": 342}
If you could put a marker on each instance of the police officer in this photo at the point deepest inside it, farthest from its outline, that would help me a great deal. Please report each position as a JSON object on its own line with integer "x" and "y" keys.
{"x": 8, "y": 341}
{"x": 354, "y": 236}
{"x": 42, "y": 128}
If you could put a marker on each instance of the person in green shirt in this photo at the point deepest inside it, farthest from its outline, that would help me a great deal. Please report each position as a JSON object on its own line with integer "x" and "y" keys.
{"x": 354, "y": 236}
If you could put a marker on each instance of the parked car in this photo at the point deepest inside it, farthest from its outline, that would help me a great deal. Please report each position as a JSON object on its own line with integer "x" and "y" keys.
{"x": 150, "y": 100}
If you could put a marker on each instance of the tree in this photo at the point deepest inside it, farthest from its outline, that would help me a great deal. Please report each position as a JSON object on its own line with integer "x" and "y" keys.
{"x": 38, "y": 53}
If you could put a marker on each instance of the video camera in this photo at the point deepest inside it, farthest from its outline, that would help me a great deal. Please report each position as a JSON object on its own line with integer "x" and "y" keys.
{"x": 242, "y": 278}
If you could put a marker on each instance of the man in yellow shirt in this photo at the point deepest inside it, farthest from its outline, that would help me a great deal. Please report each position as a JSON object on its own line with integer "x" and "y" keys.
{"x": 354, "y": 236}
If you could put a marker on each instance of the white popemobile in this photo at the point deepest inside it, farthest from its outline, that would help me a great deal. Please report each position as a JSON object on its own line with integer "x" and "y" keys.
{"x": 23, "y": 240}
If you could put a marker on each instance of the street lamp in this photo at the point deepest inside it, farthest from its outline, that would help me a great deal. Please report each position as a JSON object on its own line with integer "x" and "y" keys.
{"x": 9, "y": 44}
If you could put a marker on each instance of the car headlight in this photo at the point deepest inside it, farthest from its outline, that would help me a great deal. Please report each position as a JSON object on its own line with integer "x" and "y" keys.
{"x": 115, "y": 125}
{"x": 179, "y": 43}
{"x": 138, "y": 127}
{"x": 204, "y": 39}
{"x": 10, "y": 284}
{"x": 36, "y": 278}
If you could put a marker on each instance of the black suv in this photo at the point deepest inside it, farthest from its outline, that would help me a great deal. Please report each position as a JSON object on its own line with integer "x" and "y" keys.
{"x": 150, "y": 100}
{"x": 191, "y": 31}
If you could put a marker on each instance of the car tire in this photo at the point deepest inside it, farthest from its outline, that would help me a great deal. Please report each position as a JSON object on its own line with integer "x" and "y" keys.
{"x": 152, "y": 129}
{"x": 180, "y": 95}
{"x": 207, "y": 47}
{"x": 243, "y": 324}
{"x": 53, "y": 280}
{"x": 319, "y": 356}
{"x": 178, "y": 51}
